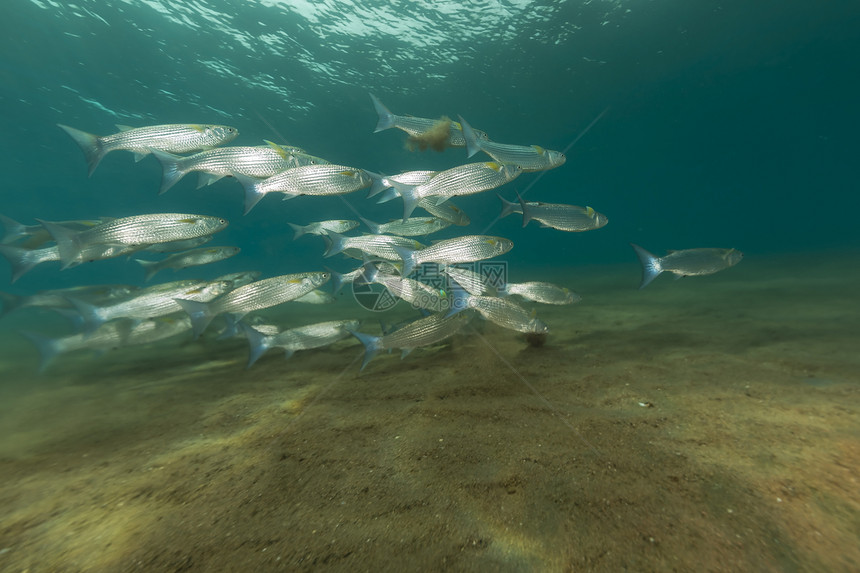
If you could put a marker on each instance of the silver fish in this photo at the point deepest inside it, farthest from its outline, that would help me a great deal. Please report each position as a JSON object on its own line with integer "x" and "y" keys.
{"x": 107, "y": 337}
{"x": 559, "y": 216}
{"x": 686, "y": 263}
{"x": 34, "y": 236}
{"x": 546, "y": 293}
{"x": 306, "y": 180}
{"x": 301, "y": 338}
{"x": 187, "y": 259}
{"x": 465, "y": 249}
{"x": 405, "y": 178}
{"x": 254, "y": 296}
{"x": 423, "y": 332}
{"x": 527, "y": 157}
{"x": 258, "y": 161}
{"x": 135, "y": 230}
{"x": 446, "y": 211}
{"x": 174, "y": 246}
{"x": 316, "y": 297}
{"x": 59, "y": 298}
{"x": 506, "y": 314}
{"x": 412, "y": 227}
{"x": 472, "y": 282}
{"x": 22, "y": 260}
{"x": 240, "y": 279}
{"x": 417, "y": 126}
{"x": 382, "y": 246}
{"x": 158, "y": 300}
{"x": 323, "y": 227}
{"x": 461, "y": 180}
{"x": 178, "y": 138}
{"x": 418, "y": 294}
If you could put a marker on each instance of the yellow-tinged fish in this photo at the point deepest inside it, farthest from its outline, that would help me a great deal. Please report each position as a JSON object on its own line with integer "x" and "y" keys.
{"x": 305, "y": 180}
{"x": 528, "y": 157}
{"x": 173, "y": 138}
{"x": 442, "y": 132}
{"x": 465, "y": 249}
{"x": 457, "y": 181}
{"x": 253, "y": 296}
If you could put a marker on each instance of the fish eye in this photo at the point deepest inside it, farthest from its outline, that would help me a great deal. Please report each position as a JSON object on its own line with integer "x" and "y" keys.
{"x": 222, "y": 221}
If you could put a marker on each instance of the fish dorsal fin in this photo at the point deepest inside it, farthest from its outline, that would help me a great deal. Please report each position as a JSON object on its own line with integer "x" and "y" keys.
{"x": 670, "y": 251}
{"x": 278, "y": 148}
{"x": 123, "y": 127}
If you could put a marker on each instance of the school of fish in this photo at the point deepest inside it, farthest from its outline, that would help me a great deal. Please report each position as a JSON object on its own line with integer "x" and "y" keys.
{"x": 438, "y": 280}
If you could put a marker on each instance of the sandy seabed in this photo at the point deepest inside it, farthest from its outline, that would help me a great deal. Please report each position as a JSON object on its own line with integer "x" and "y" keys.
{"x": 707, "y": 424}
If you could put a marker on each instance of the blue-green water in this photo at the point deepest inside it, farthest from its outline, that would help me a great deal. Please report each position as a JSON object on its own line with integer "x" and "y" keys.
{"x": 651, "y": 431}
{"x": 728, "y": 125}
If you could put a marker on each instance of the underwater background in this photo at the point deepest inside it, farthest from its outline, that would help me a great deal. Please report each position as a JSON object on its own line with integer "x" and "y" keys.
{"x": 728, "y": 124}
{"x": 702, "y": 123}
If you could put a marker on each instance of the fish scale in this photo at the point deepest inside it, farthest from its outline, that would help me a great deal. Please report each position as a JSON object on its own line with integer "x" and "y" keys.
{"x": 316, "y": 180}
{"x": 467, "y": 179}
{"x": 252, "y": 161}
{"x": 154, "y": 228}
{"x": 268, "y": 292}
{"x": 506, "y": 314}
{"x": 176, "y": 138}
{"x": 424, "y": 331}
{"x": 465, "y": 249}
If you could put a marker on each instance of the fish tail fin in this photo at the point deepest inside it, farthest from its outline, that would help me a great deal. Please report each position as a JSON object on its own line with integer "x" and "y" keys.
{"x": 204, "y": 179}
{"x": 199, "y": 313}
{"x": 374, "y": 227}
{"x": 335, "y": 243}
{"x": 527, "y": 215}
{"x": 257, "y": 342}
{"x": 409, "y": 194}
{"x": 410, "y": 259}
{"x": 90, "y": 144}
{"x": 388, "y": 195}
{"x": 298, "y": 230}
{"x": 472, "y": 144}
{"x": 171, "y": 169}
{"x": 13, "y": 229}
{"x": 371, "y": 345}
{"x": 386, "y": 118}
{"x": 378, "y": 183}
{"x": 369, "y": 273}
{"x": 90, "y": 314}
{"x": 650, "y": 265}
{"x": 459, "y": 297}
{"x": 337, "y": 280}
{"x": 508, "y": 207}
{"x": 10, "y": 302}
{"x": 253, "y": 193}
{"x": 21, "y": 260}
{"x": 68, "y": 244}
{"x": 48, "y": 348}
{"x": 151, "y": 267}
